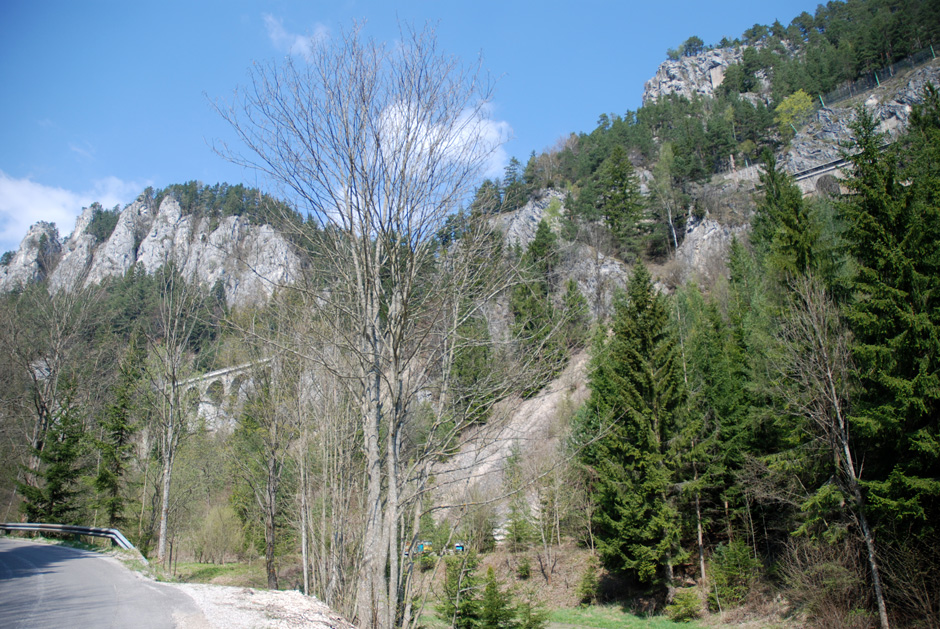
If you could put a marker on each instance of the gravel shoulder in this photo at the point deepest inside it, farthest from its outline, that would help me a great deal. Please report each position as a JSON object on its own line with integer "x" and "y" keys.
{"x": 226, "y": 607}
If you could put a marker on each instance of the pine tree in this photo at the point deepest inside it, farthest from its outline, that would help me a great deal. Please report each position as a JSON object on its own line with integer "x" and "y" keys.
{"x": 784, "y": 230}
{"x": 616, "y": 198}
{"x": 536, "y": 322}
{"x": 118, "y": 427}
{"x": 637, "y": 395}
{"x": 496, "y": 608}
{"x": 712, "y": 442}
{"x": 55, "y": 499}
{"x": 488, "y": 198}
{"x": 460, "y": 603}
{"x": 894, "y": 229}
{"x": 518, "y": 526}
{"x": 514, "y": 188}
{"x": 576, "y": 315}
{"x": 471, "y": 368}
{"x": 542, "y": 255}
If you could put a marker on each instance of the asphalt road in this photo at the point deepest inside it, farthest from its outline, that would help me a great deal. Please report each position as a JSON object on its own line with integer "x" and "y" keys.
{"x": 42, "y": 585}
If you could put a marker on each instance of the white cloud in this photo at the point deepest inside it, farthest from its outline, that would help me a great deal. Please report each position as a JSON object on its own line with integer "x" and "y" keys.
{"x": 474, "y": 137}
{"x": 291, "y": 43}
{"x": 24, "y": 202}
{"x": 493, "y": 135}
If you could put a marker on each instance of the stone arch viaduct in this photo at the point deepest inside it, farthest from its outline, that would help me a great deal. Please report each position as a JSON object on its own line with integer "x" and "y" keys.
{"x": 822, "y": 179}
{"x": 218, "y": 394}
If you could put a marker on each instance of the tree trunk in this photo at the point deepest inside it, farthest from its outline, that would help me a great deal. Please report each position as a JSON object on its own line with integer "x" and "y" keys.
{"x": 867, "y": 535}
{"x": 269, "y": 521}
{"x": 372, "y": 570}
{"x": 165, "y": 505}
{"x": 701, "y": 541}
{"x": 304, "y": 518}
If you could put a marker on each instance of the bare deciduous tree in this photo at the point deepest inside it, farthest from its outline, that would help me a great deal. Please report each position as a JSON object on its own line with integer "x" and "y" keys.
{"x": 266, "y": 430}
{"x": 816, "y": 365}
{"x": 169, "y": 366}
{"x": 379, "y": 146}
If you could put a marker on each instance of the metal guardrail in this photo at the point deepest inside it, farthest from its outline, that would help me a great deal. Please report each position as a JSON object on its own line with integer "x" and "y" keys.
{"x": 113, "y": 534}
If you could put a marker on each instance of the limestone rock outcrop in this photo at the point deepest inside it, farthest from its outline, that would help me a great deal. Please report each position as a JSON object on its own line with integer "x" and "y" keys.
{"x": 690, "y": 76}
{"x": 249, "y": 260}
{"x": 704, "y": 249}
{"x": 34, "y": 259}
{"x": 519, "y": 226}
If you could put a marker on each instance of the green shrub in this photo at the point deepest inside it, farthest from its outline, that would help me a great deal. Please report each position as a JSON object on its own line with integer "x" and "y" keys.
{"x": 427, "y": 562}
{"x": 685, "y": 606}
{"x": 524, "y": 569}
{"x": 587, "y": 587}
{"x": 733, "y": 570}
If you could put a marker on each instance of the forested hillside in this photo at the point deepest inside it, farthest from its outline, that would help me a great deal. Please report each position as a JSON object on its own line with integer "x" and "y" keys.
{"x": 758, "y": 440}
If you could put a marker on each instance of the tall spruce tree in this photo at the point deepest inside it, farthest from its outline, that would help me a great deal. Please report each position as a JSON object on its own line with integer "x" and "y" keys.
{"x": 619, "y": 200}
{"x": 118, "y": 427}
{"x": 637, "y": 394}
{"x": 56, "y": 497}
{"x": 514, "y": 190}
{"x": 536, "y": 321}
{"x": 893, "y": 218}
{"x": 713, "y": 439}
{"x": 784, "y": 230}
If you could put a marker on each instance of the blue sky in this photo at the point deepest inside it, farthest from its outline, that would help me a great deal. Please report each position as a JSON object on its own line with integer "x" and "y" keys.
{"x": 100, "y": 99}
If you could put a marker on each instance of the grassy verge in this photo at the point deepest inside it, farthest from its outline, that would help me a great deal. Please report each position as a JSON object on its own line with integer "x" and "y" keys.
{"x": 237, "y": 574}
{"x": 593, "y": 617}
{"x": 609, "y": 617}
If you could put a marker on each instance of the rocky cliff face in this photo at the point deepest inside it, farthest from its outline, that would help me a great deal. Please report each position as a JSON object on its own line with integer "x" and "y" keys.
{"x": 820, "y": 141}
{"x": 598, "y": 276}
{"x": 690, "y": 76}
{"x": 519, "y": 226}
{"x": 32, "y": 262}
{"x": 705, "y": 247}
{"x": 249, "y": 260}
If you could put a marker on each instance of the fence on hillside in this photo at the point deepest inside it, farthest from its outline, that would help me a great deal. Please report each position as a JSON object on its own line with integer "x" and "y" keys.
{"x": 873, "y": 79}
{"x": 845, "y": 91}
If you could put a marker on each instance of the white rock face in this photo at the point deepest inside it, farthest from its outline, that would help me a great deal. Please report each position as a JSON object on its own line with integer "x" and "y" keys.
{"x": 157, "y": 247}
{"x": 598, "y": 276}
{"x": 690, "y": 76}
{"x": 117, "y": 255}
{"x": 250, "y": 261}
{"x": 519, "y": 226}
{"x": 705, "y": 248}
{"x": 76, "y": 254}
{"x": 31, "y": 262}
